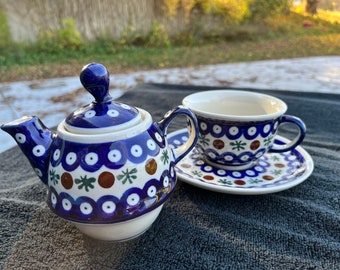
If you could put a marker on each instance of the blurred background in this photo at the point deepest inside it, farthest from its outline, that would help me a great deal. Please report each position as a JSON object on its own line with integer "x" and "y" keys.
{"x": 160, "y": 41}
{"x": 54, "y": 38}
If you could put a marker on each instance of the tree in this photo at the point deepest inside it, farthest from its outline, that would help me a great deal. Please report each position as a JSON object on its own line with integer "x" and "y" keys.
{"x": 311, "y": 6}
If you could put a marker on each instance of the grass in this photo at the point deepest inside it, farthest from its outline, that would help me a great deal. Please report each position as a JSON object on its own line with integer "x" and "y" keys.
{"x": 331, "y": 16}
{"x": 280, "y": 36}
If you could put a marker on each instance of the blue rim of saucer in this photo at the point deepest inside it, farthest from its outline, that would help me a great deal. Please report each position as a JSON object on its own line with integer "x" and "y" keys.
{"x": 273, "y": 173}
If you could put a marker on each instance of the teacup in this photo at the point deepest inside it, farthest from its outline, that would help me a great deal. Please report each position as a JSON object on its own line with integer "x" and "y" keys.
{"x": 236, "y": 128}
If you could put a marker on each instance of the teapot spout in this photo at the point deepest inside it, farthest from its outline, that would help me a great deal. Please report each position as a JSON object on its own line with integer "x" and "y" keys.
{"x": 34, "y": 140}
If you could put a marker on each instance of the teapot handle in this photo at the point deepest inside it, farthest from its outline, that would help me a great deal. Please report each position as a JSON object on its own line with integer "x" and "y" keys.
{"x": 185, "y": 148}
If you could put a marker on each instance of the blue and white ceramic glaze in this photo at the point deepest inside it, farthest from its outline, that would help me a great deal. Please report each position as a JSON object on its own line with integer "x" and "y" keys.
{"x": 273, "y": 172}
{"x": 247, "y": 142}
{"x": 108, "y": 163}
{"x": 236, "y": 128}
{"x": 110, "y": 181}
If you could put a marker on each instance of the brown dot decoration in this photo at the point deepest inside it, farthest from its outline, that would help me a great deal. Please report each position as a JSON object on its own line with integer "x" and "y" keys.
{"x": 67, "y": 180}
{"x": 255, "y": 145}
{"x": 218, "y": 144}
{"x": 151, "y": 166}
{"x": 208, "y": 177}
{"x": 279, "y": 165}
{"x": 106, "y": 179}
{"x": 268, "y": 177}
{"x": 240, "y": 182}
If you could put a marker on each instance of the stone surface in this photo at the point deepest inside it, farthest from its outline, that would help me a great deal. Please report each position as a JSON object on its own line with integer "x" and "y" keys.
{"x": 52, "y": 100}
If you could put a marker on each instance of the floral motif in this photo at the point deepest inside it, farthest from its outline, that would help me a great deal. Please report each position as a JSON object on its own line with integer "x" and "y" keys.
{"x": 85, "y": 182}
{"x": 203, "y": 140}
{"x": 197, "y": 173}
{"x": 225, "y": 181}
{"x": 165, "y": 157}
{"x": 54, "y": 177}
{"x": 276, "y": 172}
{"x": 238, "y": 145}
{"x": 268, "y": 140}
{"x": 254, "y": 181}
{"x": 275, "y": 158}
{"x": 128, "y": 176}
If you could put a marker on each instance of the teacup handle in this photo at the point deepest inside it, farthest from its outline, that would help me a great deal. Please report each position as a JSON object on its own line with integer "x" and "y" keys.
{"x": 297, "y": 140}
{"x": 185, "y": 148}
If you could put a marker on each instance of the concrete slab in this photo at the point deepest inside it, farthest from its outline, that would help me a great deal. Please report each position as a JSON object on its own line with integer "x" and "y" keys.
{"x": 52, "y": 100}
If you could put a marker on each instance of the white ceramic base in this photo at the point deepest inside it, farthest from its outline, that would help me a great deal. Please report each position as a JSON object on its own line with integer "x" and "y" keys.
{"x": 120, "y": 231}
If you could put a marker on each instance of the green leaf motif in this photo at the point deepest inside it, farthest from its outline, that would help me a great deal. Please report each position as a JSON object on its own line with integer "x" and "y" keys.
{"x": 238, "y": 145}
{"x": 85, "y": 182}
{"x": 276, "y": 172}
{"x": 197, "y": 173}
{"x": 268, "y": 140}
{"x": 54, "y": 177}
{"x": 203, "y": 140}
{"x": 225, "y": 181}
{"x": 275, "y": 158}
{"x": 165, "y": 157}
{"x": 128, "y": 176}
{"x": 255, "y": 181}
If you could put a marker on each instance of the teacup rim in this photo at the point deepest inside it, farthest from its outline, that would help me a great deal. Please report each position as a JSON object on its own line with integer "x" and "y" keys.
{"x": 230, "y": 117}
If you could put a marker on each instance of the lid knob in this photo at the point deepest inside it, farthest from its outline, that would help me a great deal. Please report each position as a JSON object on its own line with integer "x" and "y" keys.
{"x": 96, "y": 80}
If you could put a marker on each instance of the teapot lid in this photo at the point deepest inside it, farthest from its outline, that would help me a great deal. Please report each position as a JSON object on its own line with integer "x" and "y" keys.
{"x": 103, "y": 114}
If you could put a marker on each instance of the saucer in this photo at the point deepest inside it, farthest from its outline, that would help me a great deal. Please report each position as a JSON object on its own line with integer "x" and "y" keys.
{"x": 273, "y": 173}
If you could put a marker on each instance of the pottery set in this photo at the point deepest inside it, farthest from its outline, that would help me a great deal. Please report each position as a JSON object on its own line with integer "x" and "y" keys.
{"x": 109, "y": 168}
{"x": 239, "y": 150}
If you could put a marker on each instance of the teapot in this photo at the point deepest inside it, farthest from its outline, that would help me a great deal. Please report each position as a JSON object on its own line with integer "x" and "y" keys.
{"x": 108, "y": 167}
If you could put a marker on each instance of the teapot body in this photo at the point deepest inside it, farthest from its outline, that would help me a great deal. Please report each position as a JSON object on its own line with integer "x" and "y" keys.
{"x": 108, "y": 168}
{"x": 102, "y": 181}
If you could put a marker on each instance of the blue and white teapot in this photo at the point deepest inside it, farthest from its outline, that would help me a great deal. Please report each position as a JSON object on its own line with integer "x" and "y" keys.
{"x": 108, "y": 167}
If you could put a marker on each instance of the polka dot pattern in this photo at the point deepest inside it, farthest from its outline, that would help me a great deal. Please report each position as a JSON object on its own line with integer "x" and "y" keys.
{"x": 266, "y": 172}
{"x": 38, "y": 150}
{"x": 20, "y": 138}
{"x": 67, "y": 180}
{"x": 273, "y": 169}
{"x": 231, "y": 143}
{"x": 134, "y": 201}
{"x": 100, "y": 115}
{"x": 112, "y": 155}
{"x": 111, "y": 181}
